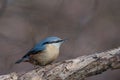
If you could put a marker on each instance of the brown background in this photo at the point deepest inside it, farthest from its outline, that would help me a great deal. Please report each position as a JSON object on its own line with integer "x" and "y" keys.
{"x": 89, "y": 25}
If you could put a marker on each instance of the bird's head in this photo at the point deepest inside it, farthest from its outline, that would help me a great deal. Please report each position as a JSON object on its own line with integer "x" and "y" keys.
{"x": 53, "y": 41}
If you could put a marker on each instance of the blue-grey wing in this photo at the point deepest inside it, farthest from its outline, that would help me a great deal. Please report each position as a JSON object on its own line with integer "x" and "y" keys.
{"x": 26, "y": 57}
{"x": 35, "y": 50}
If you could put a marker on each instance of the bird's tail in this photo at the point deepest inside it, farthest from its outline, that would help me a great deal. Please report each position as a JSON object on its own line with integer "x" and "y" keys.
{"x": 19, "y": 61}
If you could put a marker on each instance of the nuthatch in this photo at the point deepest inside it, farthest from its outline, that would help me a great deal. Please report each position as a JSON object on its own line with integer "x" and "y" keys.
{"x": 44, "y": 52}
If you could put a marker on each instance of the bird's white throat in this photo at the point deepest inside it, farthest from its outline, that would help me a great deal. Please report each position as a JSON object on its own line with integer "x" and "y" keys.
{"x": 56, "y": 45}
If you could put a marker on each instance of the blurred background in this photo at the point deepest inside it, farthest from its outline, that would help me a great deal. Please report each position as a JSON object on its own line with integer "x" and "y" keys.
{"x": 89, "y": 25}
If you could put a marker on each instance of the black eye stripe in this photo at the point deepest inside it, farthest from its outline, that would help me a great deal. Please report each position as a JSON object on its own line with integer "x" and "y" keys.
{"x": 53, "y": 42}
{"x": 57, "y": 41}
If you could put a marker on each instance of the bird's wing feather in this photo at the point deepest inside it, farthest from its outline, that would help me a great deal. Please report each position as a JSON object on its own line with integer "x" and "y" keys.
{"x": 34, "y": 50}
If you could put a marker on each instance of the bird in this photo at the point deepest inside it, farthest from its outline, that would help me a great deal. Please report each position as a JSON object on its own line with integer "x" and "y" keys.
{"x": 44, "y": 52}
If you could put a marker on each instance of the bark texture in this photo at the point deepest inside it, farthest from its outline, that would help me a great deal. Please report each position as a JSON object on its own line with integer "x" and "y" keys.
{"x": 73, "y": 69}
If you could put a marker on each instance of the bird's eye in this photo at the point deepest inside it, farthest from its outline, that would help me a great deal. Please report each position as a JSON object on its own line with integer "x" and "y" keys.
{"x": 53, "y": 42}
{"x": 45, "y": 43}
{"x": 58, "y": 41}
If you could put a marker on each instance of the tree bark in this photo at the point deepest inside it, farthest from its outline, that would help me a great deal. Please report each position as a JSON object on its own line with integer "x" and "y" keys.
{"x": 73, "y": 69}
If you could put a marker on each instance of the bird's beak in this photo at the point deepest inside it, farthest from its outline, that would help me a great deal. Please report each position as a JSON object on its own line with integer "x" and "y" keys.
{"x": 64, "y": 40}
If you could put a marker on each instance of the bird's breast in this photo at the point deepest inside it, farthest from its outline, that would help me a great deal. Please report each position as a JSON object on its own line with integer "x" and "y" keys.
{"x": 52, "y": 51}
{"x": 48, "y": 55}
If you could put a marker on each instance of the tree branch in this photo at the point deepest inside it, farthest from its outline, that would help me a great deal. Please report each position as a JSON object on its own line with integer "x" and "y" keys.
{"x": 73, "y": 69}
